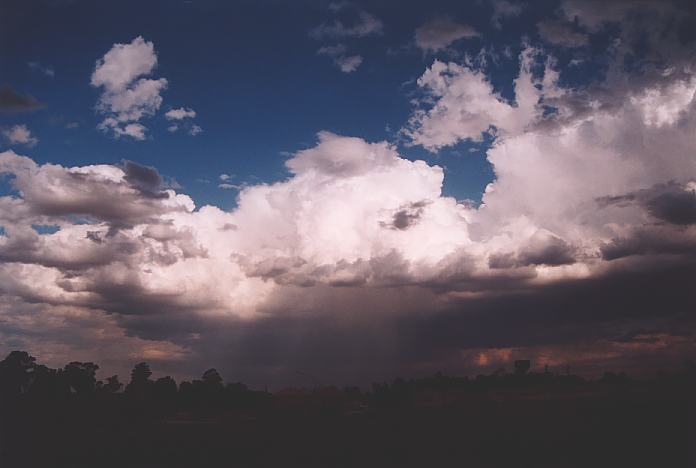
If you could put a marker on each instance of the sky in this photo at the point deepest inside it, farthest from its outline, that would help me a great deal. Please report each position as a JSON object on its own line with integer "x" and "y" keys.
{"x": 351, "y": 190}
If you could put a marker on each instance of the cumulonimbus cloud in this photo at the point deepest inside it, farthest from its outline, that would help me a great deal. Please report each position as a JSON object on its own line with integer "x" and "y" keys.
{"x": 587, "y": 199}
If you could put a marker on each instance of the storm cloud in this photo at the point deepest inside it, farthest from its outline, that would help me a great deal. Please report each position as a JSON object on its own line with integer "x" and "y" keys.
{"x": 356, "y": 265}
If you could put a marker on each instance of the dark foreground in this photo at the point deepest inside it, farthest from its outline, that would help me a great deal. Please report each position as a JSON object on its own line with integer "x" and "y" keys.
{"x": 531, "y": 420}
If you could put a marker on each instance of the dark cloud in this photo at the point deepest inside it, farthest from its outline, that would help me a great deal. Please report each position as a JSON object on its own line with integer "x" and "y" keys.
{"x": 144, "y": 178}
{"x": 675, "y": 204}
{"x": 673, "y": 207}
{"x": 616, "y": 318}
{"x": 554, "y": 252}
{"x": 671, "y": 202}
{"x": 550, "y": 251}
{"x": 655, "y": 240}
{"x": 11, "y": 101}
{"x": 406, "y": 216}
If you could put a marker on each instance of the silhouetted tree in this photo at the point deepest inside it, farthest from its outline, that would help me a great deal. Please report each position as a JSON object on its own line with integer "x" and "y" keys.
{"x": 212, "y": 389}
{"x": 140, "y": 383}
{"x": 212, "y": 379}
{"x": 165, "y": 389}
{"x": 112, "y": 385}
{"x": 81, "y": 377}
{"x": 47, "y": 384}
{"x": 16, "y": 373}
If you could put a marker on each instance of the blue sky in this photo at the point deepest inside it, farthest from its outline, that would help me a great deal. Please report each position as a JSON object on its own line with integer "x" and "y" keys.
{"x": 251, "y": 72}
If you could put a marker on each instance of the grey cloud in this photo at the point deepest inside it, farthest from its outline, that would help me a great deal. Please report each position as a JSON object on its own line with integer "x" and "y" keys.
{"x": 440, "y": 33}
{"x": 406, "y": 216}
{"x": 553, "y": 252}
{"x": 550, "y": 251}
{"x": 359, "y": 24}
{"x": 52, "y": 190}
{"x": 562, "y": 34}
{"x": 354, "y": 334}
{"x": 11, "y": 101}
{"x": 656, "y": 240}
{"x": 674, "y": 205}
{"x": 144, "y": 178}
{"x": 671, "y": 202}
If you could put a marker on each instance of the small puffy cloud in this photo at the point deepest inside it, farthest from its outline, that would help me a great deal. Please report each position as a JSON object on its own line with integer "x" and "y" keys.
{"x": 127, "y": 97}
{"x": 11, "y": 101}
{"x": 225, "y": 177}
{"x": 134, "y": 130}
{"x": 183, "y": 118}
{"x": 121, "y": 65}
{"x": 349, "y": 63}
{"x": 353, "y": 23}
{"x": 558, "y": 33}
{"x": 346, "y": 63}
{"x": 439, "y": 33}
{"x": 362, "y": 24}
{"x": 180, "y": 114}
{"x": 20, "y": 135}
{"x": 504, "y": 9}
{"x": 46, "y": 70}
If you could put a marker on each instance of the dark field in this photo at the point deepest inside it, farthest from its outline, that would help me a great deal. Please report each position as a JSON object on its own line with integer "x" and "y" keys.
{"x": 530, "y": 420}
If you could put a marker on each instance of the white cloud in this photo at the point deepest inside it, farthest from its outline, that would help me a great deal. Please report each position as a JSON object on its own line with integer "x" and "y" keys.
{"x": 666, "y": 105}
{"x": 466, "y": 106}
{"x": 185, "y": 115}
{"x": 121, "y": 65}
{"x": 20, "y": 135}
{"x": 142, "y": 99}
{"x": 128, "y": 98}
{"x": 133, "y": 130}
{"x": 439, "y": 33}
{"x": 180, "y": 114}
{"x": 349, "y": 64}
